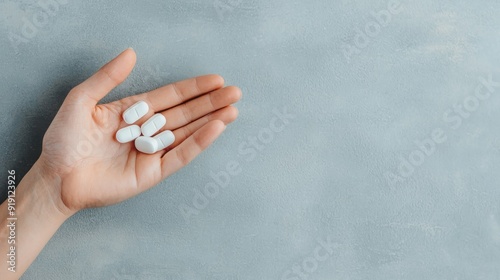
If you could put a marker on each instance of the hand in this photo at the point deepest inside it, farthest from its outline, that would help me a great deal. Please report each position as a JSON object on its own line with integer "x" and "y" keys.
{"x": 94, "y": 169}
{"x": 82, "y": 165}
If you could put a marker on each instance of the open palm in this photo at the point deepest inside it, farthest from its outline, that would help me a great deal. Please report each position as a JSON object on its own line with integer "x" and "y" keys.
{"x": 95, "y": 169}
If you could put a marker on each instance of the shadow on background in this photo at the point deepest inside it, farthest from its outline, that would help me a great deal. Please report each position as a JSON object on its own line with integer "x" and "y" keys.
{"x": 34, "y": 115}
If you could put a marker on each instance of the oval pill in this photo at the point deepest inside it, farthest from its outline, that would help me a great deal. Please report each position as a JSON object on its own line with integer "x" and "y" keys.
{"x": 146, "y": 145}
{"x": 135, "y": 112}
{"x": 165, "y": 139}
{"x": 154, "y": 124}
{"x": 127, "y": 134}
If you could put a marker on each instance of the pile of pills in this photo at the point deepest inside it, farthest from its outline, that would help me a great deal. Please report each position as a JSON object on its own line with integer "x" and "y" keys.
{"x": 144, "y": 140}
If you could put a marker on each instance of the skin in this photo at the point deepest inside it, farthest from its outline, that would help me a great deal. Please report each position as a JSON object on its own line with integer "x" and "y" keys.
{"x": 83, "y": 166}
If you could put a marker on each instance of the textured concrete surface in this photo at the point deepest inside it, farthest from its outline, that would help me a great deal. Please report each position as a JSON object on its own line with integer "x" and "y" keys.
{"x": 342, "y": 191}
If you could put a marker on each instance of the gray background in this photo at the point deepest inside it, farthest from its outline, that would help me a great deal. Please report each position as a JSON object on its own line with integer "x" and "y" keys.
{"x": 322, "y": 176}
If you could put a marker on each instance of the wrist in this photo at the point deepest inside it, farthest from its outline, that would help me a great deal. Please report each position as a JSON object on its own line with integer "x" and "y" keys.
{"x": 43, "y": 187}
{"x": 36, "y": 215}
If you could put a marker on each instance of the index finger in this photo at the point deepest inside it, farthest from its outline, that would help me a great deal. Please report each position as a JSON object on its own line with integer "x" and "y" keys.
{"x": 176, "y": 93}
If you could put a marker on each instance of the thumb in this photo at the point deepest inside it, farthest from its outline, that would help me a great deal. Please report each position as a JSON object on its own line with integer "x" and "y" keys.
{"x": 105, "y": 79}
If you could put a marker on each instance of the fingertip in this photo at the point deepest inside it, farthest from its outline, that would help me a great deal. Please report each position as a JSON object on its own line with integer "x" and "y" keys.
{"x": 233, "y": 113}
{"x": 214, "y": 81}
{"x": 214, "y": 129}
{"x": 119, "y": 67}
{"x": 131, "y": 55}
{"x": 226, "y": 96}
{"x": 217, "y": 125}
{"x": 217, "y": 79}
{"x": 234, "y": 93}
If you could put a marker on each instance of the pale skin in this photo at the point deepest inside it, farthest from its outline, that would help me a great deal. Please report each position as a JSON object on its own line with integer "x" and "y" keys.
{"x": 71, "y": 174}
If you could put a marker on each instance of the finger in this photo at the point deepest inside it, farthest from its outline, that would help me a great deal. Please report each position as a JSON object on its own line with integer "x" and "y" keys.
{"x": 227, "y": 115}
{"x": 174, "y": 94}
{"x": 185, "y": 113}
{"x": 183, "y": 154}
{"x": 107, "y": 78}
